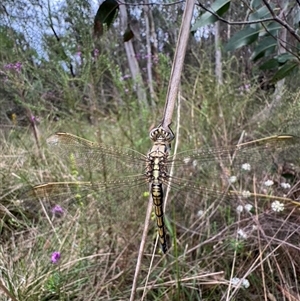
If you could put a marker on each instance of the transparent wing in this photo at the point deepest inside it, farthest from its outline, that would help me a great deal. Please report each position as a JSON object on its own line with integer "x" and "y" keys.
{"x": 201, "y": 184}
{"x": 106, "y": 161}
{"x": 117, "y": 207}
{"x": 207, "y": 182}
{"x": 261, "y": 154}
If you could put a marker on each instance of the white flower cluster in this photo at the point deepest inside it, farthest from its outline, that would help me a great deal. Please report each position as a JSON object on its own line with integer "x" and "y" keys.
{"x": 200, "y": 213}
{"x": 277, "y": 206}
{"x": 244, "y": 282}
{"x": 246, "y": 166}
{"x": 242, "y": 234}
{"x": 246, "y": 194}
{"x": 247, "y": 207}
{"x": 232, "y": 179}
{"x": 285, "y": 185}
{"x": 269, "y": 183}
{"x": 186, "y": 160}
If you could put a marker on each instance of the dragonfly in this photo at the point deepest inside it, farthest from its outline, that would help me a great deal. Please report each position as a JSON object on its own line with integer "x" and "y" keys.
{"x": 196, "y": 176}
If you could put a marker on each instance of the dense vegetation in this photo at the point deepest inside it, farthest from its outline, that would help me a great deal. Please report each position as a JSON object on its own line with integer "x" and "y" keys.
{"x": 57, "y": 75}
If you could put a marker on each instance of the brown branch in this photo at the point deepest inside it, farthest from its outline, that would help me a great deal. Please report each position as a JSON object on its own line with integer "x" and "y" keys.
{"x": 151, "y": 3}
{"x": 282, "y": 23}
{"x": 178, "y": 63}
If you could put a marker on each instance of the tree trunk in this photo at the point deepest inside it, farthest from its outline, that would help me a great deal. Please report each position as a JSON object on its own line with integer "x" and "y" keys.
{"x": 218, "y": 54}
{"x": 151, "y": 51}
{"x": 280, "y": 84}
{"x": 132, "y": 61}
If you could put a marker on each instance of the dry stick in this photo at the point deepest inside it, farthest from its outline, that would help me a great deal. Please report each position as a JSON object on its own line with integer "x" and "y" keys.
{"x": 168, "y": 112}
{"x": 175, "y": 150}
{"x": 178, "y": 63}
{"x": 152, "y": 256}
{"x": 141, "y": 251}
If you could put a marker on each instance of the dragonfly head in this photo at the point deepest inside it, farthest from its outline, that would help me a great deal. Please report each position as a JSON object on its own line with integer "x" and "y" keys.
{"x": 159, "y": 134}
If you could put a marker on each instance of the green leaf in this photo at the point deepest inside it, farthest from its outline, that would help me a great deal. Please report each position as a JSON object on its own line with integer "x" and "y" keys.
{"x": 272, "y": 28}
{"x": 284, "y": 57}
{"x": 244, "y": 37}
{"x": 106, "y": 14}
{"x": 128, "y": 34}
{"x": 285, "y": 70}
{"x": 261, "y": 13}
{"x": 220, "y": 7}
{"x": 270, "y": 64}
{"x": 265, "y": 47}
{"x": 277, "y": 61}
{"x": 254, "y": 4}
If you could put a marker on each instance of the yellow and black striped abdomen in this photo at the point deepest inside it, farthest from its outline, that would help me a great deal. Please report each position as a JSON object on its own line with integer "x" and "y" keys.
{"x": 157, "y": 196}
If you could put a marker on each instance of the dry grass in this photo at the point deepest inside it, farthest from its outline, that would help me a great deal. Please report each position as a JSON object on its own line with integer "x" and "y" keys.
{"x": 99, "y": 242}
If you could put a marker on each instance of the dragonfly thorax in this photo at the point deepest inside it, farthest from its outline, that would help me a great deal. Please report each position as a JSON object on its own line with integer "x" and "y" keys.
{"x": 159, "y": 149}
{"x": 156, "y": 163}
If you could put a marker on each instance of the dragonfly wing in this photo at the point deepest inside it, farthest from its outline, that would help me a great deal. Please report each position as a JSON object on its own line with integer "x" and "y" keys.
{"x": 107, "y": 161}
{"x": 202, "y": 186}
{"x": 209, "y": 167}
{"x": 119, "y": 204}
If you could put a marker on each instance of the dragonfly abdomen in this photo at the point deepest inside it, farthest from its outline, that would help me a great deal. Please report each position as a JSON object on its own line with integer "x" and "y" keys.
{"x": 157, "y": 196}
{"x": 157, "y": 174}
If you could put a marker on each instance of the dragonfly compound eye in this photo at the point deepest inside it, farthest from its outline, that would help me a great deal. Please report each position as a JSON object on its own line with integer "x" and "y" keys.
{"x": 161, "y": 134}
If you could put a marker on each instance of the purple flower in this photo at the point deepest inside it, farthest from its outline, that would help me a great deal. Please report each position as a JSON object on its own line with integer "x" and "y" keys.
{"x": 57, "y": 210}
{"x": 8, "y": 66}
{"x": 14, "y": 66}
{"x": 96, "y": 52}
{"x": 247, "y": 87}
{"x": 55, "y": 257}
{"x": 18, "y": 66}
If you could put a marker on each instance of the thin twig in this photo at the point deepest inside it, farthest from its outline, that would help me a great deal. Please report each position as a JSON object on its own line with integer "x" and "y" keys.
{"x": 151, "y": 3}
{"x": 178, "y": 63}
{"x": 141, "y": 250}
{"x": 149, "y": 269}
{"x": 175, "y": 150}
